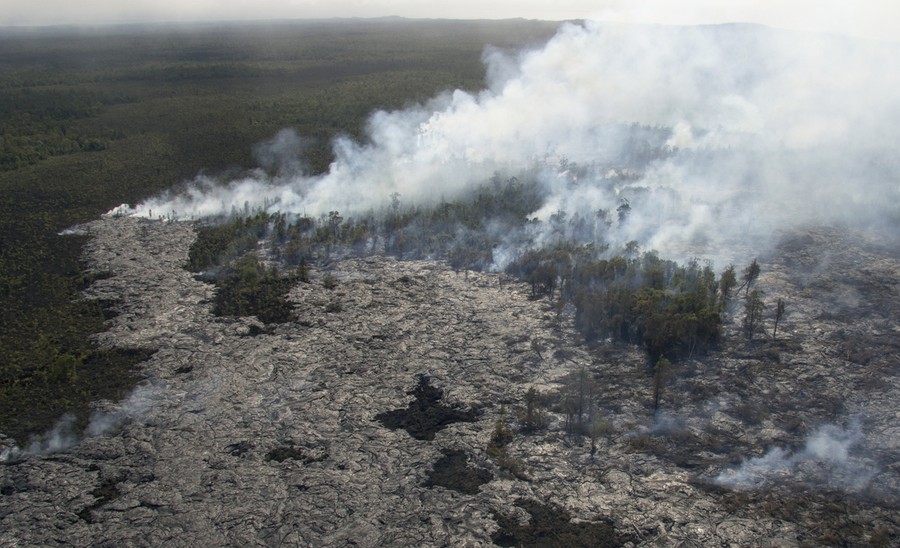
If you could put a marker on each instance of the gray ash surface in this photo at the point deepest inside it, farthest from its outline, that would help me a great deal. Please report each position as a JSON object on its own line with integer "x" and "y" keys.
{"x": 275, "y": 438}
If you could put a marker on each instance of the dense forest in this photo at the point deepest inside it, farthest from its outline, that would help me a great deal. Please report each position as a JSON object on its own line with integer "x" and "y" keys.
{"x": 92, "y": 118}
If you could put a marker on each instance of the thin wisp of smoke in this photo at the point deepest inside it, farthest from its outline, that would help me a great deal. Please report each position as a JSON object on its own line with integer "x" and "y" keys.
{"x": 716, "y": 136}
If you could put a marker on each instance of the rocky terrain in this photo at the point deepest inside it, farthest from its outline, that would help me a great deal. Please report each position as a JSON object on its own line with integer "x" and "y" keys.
{"x": 374, "y": 418}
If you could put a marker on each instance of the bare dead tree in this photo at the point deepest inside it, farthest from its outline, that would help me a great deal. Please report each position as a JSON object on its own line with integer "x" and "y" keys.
{"x": 779, "y": 314}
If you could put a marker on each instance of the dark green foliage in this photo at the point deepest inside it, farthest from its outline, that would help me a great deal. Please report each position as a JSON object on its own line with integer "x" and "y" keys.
{"x": 249, "y": 289}
{"x": 37, "y": 393}
{"x": 727, "y": 282}
{"x": 93, "y": 121}
{"x": 598, "y": 428}
{"x": 218, "y": 243}
{"x": 751, "y": 273}
{"x": 501, "y": 437}
{"x": 577, "y": 401}
{"x": 753, "y": 309}
{"x": 543, "y": 280}
{"x": 464, "y": 231}
{"x": 36, "y": 124}
{"x": 671, "y": 309}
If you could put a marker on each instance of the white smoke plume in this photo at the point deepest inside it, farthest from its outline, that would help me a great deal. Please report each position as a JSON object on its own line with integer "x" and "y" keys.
{"x": 134, "y": 406}
{"x": 63, "y": 437}
{"x": 714, "y": 134}
{"x": 282, "y": 154}
{"x": 827, "y": 458}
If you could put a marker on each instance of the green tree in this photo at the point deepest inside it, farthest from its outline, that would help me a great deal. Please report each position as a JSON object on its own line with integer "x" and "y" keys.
{"x": 751, "y": 273}
{"x": 727, "y": 283}
{"x": 753, "y": 310}
{"x": 578, "y": 400}
{"x": 543, "y": 280}
{"x": 534, "y": 418}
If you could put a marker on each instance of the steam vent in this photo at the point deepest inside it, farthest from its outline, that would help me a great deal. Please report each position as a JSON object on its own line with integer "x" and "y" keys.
{"x": 408, "y": 404}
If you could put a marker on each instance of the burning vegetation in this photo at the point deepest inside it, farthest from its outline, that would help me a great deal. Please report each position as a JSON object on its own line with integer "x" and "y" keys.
{"x": 672, "y": 310}
{"x": 555, "y": 272}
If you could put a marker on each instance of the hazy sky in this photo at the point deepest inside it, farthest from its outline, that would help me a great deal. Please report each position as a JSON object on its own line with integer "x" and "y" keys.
{"x": 870, "y": 18}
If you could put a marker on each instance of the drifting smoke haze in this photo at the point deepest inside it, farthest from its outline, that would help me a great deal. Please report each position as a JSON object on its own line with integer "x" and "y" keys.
{"x": 717, "y": 136}
{"x": 63, "y": 436}
{"x": 830, "y": 457}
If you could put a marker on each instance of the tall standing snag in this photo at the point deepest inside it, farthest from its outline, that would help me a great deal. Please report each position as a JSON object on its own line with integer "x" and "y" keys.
{"x": 779, "y": 313}
{"x": 661, "y": 373}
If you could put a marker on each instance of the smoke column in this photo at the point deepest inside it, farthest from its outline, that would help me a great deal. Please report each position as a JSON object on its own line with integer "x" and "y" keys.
{"x": 714, "y": 134}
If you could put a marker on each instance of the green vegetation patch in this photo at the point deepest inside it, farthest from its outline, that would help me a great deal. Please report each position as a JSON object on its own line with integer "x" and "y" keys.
{"x": 223, "y": 254}
{"x": 250, "y": 289}
{"x": 66, "y": 383}
{"x": 36, "y": 124}
{"x": 218, "y": 243}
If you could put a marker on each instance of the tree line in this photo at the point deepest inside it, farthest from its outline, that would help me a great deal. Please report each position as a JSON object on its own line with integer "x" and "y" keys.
{"x": 672, "y": 310}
